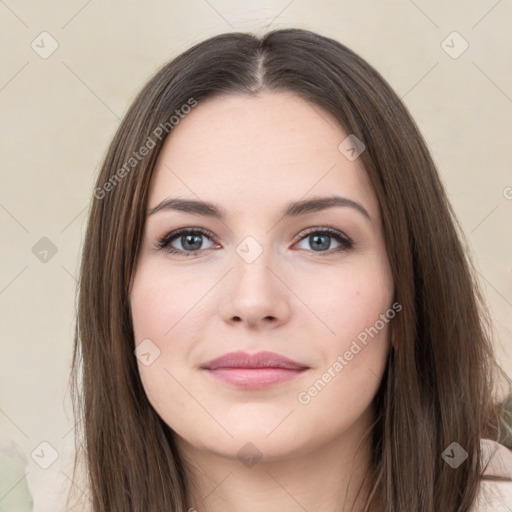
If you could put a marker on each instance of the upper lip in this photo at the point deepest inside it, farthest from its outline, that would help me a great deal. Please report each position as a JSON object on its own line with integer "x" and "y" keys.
{"x": 259, "y": 360}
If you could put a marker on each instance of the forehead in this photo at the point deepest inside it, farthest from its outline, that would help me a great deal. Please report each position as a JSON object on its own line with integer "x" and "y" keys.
{"x": 253, "y": 151}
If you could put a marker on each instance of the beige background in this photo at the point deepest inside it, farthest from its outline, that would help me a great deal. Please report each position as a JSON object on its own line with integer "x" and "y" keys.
{"x": 59, "y": 113}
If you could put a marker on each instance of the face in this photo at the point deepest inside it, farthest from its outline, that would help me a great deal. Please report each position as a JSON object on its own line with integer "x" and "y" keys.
{"x": 252, "y": 274}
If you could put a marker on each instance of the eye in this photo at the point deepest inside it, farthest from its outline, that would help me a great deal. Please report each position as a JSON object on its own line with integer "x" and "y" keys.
{"x": 190, "y": 240}
{"x": 320, "y": 240}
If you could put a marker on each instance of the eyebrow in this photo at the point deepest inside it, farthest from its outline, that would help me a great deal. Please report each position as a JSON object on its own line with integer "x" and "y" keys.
{"x": 291, "y": 209}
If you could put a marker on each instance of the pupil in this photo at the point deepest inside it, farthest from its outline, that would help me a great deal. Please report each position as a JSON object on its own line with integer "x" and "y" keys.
{"x": 316, "y": 243}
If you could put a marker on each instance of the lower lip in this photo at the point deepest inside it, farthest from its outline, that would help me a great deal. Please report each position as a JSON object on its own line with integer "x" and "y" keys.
{"x": 254, "y": 378}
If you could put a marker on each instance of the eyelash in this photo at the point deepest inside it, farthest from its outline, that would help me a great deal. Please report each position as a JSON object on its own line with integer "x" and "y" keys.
{"x": 345, "y": 242}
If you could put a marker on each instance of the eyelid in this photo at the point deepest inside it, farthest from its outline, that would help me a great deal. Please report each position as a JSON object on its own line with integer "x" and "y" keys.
{"x": 345, "y": 241}
{"x": 323, "y": 229}
{"x": 165, "y": 240}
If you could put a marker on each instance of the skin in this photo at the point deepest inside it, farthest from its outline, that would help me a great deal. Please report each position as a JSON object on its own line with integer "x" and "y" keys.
{"x": 250, "y": 156}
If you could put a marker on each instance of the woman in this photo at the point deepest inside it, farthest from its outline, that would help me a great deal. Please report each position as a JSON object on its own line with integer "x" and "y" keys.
{"x": 275, "y": 309}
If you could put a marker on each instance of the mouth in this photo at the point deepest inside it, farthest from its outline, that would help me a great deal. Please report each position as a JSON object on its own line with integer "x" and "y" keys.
{"x": 257, "y": 371}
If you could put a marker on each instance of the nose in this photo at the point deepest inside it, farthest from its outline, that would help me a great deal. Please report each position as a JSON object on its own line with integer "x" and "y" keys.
{"x": 255, "y": 294}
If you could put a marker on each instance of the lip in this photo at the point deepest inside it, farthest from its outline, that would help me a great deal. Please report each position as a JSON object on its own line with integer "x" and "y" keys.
{"x": 256, "y": 371}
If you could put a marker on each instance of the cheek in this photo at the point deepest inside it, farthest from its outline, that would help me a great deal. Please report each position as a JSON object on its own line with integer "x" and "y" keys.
{"x": 360, "y": 312}
{"x": 357, "y": 308}
{"x": 350, "y": 300}
{"x": 156, "y": 308}
{"x": 161, "y": 298}
{"x": 168, "y": 308}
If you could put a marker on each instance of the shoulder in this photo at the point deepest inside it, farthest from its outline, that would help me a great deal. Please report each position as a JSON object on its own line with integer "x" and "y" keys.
{"x": 495, "y": 496}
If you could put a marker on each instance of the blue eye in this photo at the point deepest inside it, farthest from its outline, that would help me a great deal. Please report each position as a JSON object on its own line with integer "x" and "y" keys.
{"x": 320, "y": 240}
{"x": 191, "y": 241}
{"x": 189, "y": 238}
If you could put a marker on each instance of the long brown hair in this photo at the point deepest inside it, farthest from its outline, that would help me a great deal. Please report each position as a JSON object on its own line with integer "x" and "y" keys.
{"x": 439, "y": 384}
